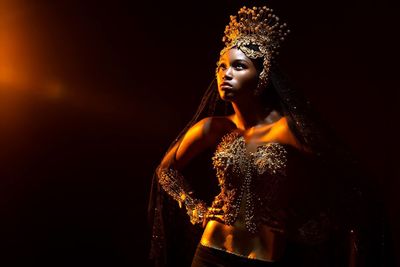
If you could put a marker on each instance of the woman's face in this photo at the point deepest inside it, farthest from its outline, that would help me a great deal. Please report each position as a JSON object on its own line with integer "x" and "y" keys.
{"x": 237, "y": 76}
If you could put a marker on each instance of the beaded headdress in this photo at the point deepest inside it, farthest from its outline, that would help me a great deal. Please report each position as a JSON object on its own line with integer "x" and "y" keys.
{"x": 259, "y": 27}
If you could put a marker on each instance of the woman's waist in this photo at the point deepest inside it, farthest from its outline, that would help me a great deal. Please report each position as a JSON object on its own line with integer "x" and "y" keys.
{"x": 268, "y": 243}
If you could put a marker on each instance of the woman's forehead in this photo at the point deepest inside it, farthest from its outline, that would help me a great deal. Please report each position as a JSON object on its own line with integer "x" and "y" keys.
{"x": 233, "y": 54}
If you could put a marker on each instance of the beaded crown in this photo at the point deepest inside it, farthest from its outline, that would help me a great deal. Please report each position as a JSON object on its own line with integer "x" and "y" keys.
{"x": 260, "y": 27}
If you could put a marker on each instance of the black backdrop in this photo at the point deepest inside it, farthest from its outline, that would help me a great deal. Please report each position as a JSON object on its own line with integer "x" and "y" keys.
{"x": 92, "y": 93}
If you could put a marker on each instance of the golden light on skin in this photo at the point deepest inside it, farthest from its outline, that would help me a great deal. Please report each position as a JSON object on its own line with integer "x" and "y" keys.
{"x": 229, "y": 242}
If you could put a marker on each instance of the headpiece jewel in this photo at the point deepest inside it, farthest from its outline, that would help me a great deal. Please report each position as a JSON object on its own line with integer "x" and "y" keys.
{"x": 260, "y": 27}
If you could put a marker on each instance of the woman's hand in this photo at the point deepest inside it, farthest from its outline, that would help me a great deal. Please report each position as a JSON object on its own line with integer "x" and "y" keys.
{"x": 215, "y": 214}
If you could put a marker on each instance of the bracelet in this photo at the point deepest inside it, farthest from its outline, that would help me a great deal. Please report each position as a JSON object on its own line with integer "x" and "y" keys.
{"x": 172, "y": 181}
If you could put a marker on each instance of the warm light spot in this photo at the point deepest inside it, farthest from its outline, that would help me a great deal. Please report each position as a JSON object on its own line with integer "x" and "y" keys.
{"x": 252, "y": 255}
{"x": 13, "y": 61}
{"x": 54, "y": 89}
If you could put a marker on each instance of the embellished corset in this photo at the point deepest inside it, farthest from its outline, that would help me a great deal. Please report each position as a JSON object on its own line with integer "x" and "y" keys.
{"x": 270, "y": 181}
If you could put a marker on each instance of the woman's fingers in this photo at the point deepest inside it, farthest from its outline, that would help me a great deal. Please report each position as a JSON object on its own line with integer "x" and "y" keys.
{"x": 215, "y": 217}
{"x": 205, "y": 221}
{"x": 215, "y": 210}
{"x": 212, "y": 217}
{"x": 213, "y": 214}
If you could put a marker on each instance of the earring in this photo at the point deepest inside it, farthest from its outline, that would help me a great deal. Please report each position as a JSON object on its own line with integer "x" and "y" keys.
{"x": 263, "y": 79}
{"x": 260, "y": 88}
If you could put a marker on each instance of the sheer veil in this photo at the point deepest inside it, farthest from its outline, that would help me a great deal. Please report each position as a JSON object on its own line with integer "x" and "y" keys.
{"x": 354, "y": 203}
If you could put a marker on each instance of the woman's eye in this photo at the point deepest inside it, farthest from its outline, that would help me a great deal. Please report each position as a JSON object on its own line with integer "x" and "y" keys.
{"x": 221, "y": 66}
{"x": 240, "y": 66}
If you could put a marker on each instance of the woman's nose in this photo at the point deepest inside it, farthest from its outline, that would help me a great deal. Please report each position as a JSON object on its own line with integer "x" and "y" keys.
{"x": 228, "y": 73}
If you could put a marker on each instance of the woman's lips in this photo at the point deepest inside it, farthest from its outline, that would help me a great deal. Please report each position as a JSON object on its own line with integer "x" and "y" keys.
{"x": 226, "y": 86}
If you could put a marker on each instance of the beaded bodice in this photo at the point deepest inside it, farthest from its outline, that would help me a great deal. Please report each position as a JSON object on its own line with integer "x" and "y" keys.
{"x": 266, "y": 180}
{"x": 252, "y": 177}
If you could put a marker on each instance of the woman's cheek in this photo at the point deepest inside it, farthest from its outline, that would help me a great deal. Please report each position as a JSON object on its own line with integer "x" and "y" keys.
{"x": 248, "y": 82}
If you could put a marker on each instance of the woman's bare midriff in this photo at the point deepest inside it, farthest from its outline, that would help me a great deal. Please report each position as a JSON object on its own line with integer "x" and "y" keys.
{"x": 268, "y": 244}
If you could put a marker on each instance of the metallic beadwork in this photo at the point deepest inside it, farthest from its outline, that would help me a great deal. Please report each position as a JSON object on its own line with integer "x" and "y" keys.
{"x": 236, "y": 169}
{"x": 172, "y": 181}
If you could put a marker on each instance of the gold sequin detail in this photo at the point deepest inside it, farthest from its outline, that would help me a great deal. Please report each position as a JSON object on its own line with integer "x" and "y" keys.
{"x": 173, "y": 183}
{"x": 239, "y": 174}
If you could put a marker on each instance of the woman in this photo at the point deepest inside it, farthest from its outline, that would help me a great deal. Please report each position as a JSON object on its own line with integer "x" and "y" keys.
{"x": 276, "y": 204}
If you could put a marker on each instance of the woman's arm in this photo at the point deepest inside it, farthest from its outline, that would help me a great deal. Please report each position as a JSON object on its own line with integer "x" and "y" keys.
{"x": 198, "y": 138}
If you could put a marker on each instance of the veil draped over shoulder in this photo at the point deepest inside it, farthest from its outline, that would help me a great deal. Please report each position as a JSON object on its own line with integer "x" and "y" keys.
{"x": 355, "y": 207}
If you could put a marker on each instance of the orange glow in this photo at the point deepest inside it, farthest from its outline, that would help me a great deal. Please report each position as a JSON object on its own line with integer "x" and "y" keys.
{"x": 22, "y": 76}
{"x": 22, "y": 55}
{"x": 29, "y": 71}
{"x": 12, "y": 71}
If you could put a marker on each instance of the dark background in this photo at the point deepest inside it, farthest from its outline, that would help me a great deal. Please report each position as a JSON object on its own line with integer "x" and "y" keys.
{"x": 93, "y": 92}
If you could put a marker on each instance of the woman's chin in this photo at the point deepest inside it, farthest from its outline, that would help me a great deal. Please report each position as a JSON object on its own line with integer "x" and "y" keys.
{"x": 228, "y": 96}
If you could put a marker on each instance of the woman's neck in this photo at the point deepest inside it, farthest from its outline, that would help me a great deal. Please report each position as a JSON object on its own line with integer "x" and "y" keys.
{"x": 253, "y": 113}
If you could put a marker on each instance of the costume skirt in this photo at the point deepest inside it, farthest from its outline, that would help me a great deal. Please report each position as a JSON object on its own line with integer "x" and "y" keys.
{"x": 211, "y": 257}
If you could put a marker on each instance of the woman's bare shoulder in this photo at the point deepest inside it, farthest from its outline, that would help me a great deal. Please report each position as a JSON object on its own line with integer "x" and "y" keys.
{"x": 287, "y": 135}
{"x": 208, "y": 128}
{"x": 202, "y": 135}
{"x": 217, "y": 125}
